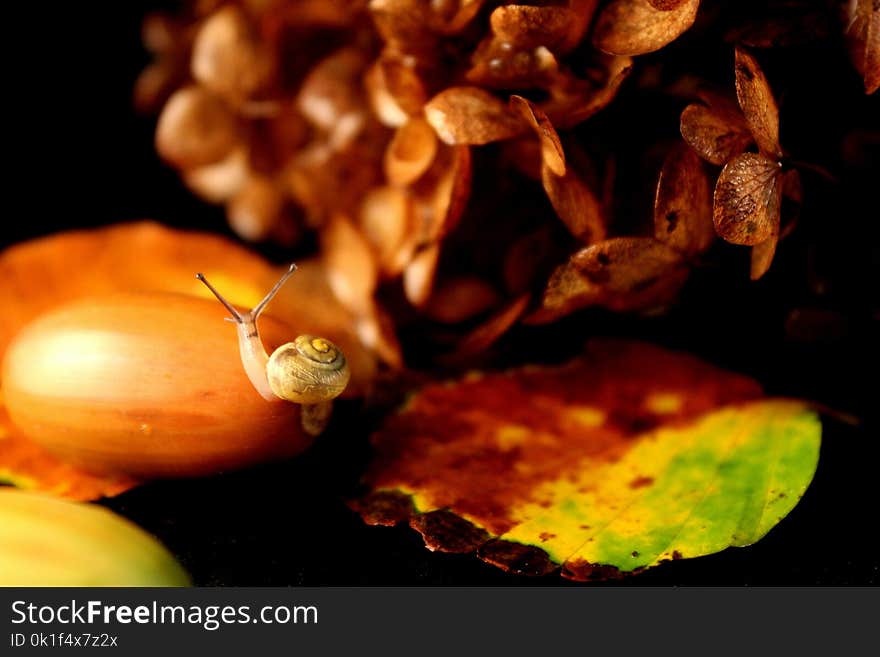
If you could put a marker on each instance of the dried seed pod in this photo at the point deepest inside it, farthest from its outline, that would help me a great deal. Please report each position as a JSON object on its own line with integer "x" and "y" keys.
{"x": 195, "y": 128}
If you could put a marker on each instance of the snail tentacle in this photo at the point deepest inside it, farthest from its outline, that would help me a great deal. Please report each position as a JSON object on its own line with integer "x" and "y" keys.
{"x": 310, "y": 371}
{"x": 250, "y": 347}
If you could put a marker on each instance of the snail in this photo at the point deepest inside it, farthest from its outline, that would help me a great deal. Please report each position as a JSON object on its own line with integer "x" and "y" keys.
{"x": 150, "y": 384}
{"x": 311, "y": 371}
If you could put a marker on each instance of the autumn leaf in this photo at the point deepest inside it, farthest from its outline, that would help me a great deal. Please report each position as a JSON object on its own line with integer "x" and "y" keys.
{"x": 636, "y": 27}
{"x": 747, "y": 199}
{"x": 626, "y": 457}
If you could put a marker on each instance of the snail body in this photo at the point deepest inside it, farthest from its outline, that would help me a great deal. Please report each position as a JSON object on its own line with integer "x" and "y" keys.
{"x": 152, "y": 385}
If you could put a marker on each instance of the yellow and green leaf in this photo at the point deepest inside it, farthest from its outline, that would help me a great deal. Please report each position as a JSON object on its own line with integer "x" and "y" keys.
{"x": 629, "y": 456}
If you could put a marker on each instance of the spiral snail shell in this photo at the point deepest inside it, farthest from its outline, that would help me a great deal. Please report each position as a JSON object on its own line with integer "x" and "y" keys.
{"x": 308, "y": 370}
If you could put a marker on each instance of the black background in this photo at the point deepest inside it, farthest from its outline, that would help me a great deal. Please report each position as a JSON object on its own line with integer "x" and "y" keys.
{"x": 79, "y": 156}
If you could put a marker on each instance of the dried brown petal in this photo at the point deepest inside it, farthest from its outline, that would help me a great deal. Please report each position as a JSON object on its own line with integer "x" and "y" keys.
{"x": 460, "y": 299}
{"x": 683, "y": 204}
{"x": 487, "y": 333}
{"x": 634, "y": 27}
{"x": 757, "y": 102}
{"x": 452, "y": 16}
{"x": 228, "y": 57}
{"x": 573, "y": 201}
{"x": 498, "y": 66}
{"x": 575, "y": 204}
{"x": 195, "y": 128}
{"x": 470, "y": 115}
{"x": 410, "y": 152}
{"x": 445, "y": 190}
{"x": 352, "y": 270}
{"x": 418, "y": 277}
{"x": 526, "y": 258}
{"x": 578, "y": 100}
{"x": 384, "y": 105}
{"x": 154, "y": 85}
{"x": 862, "y": 20}
{"x": 256, "y": 209}
{"x": 624, "y": 265}
{"x": 160, "y": 32}
{"x": 387, "y": 221}
{"x": 715, "y": 133}
{"x": 622, "y": 273}
{"x": 524, "y": 153}
{"x": 747, "y": 198}
{"x": 219, "y": 182}
{"x": 403, "y": 83}
{"x": 526, "y": 27}
{"x": 404, "y": 24}
{"x": 330, "y": 96}
{"x": 551, "y": 148}
{"x": 762, "y": 256}
{"x": 665, "y": 5}
{"x": 580, "y": 16}
{"x": 376, "y": 330}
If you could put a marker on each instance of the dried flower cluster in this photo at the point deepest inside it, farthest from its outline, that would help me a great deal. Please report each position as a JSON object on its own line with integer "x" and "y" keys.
{"x": 412, "y": 136}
